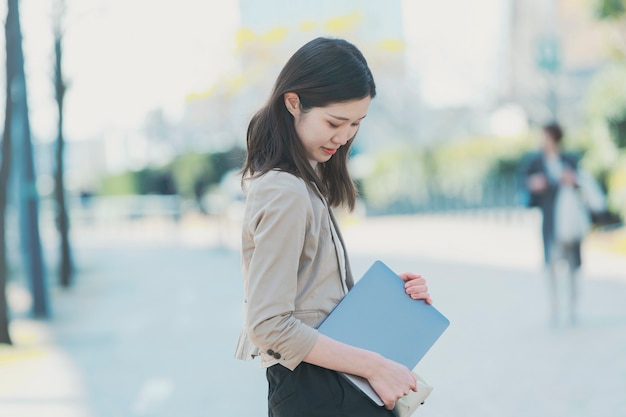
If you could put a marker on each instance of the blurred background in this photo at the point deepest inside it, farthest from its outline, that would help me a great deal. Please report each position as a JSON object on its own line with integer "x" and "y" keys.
{"x": 124, "y": 129}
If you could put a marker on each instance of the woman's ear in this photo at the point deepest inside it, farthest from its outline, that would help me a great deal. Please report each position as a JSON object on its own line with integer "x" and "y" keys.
{"x": 292, "y": 102}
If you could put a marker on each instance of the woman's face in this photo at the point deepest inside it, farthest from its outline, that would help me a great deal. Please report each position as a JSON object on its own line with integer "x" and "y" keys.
{"x": 323, "y": 130}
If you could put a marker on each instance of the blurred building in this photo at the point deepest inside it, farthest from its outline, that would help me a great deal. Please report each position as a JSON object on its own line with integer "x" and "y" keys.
{"x": 555, "y": 48}
{"x": 269, "y": 34}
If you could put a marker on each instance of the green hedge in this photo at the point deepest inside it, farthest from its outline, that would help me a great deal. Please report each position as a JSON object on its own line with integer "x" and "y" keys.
{"x": 187, "y": 175}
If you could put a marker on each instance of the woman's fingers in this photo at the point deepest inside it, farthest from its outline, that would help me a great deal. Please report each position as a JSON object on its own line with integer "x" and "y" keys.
{"x": 390, "y": 402}
{"x": 407, "y": 276}
{"x": 415, "y": 286}
{"x": 392, "y": 381}
{"x": 414, "y": 282}
{"x": 419, "y": 294}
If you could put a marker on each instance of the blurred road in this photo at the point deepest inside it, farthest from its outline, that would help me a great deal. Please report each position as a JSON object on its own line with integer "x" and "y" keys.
{"x": 151, "y": 325}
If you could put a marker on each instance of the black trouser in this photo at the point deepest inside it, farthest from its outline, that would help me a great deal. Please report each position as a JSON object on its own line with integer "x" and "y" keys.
{"x": 311, "y": 391}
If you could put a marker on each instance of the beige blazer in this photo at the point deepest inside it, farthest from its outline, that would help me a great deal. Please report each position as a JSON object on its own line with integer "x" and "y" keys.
{"x": 291, "y": 252}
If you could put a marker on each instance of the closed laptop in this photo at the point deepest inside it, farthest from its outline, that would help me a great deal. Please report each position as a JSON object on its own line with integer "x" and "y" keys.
{"x": 379, "y": 316}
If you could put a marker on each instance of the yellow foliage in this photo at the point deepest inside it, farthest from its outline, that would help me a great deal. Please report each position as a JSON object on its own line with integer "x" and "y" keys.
{"x": 275, "y": 35}
{"x": 236, "y": 83}
{"x": 617, "y": 187}
{"x": 617, "y": 180}
{"x": 272, "y": 36}
{"x": 343, "y": 24}
{"x": 228, "y": 86}
{"x": 244, "y": 36}
{"x": 307, "y": 26}
{"x": 392, "y": 45}
{"x": 200, "y": 95}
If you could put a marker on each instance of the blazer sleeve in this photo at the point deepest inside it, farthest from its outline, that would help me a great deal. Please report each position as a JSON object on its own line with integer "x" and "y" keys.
{"x": 533, "y": 166}
{"x": 279, "y": 214}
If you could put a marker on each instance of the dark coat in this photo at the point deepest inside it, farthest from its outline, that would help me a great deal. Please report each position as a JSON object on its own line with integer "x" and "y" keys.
{"x": 546, "y": 200}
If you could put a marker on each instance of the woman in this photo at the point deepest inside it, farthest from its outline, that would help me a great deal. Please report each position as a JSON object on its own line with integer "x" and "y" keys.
{"x": 294, "y": 264}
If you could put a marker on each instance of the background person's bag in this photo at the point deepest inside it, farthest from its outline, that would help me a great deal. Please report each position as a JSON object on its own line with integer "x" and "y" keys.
{"x": 571, "y": 216}
{"x": 407, "y": 405}
{"x": 591, "y": 192}
{"x": 595, "y": 199}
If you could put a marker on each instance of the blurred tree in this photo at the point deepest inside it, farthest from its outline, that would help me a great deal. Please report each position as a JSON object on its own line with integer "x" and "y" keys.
{"x": 606, "y": 106}
{"x": 19, "y": 133}
{"x": 5, "y": 170}
{"x": 606, "y": 100}
{"x": 610, "y": 9}
{"x": 63, "y": 224}
{"x": 226, "y": 161}
{"x": 614, "y": 13}
{"x": 119, "y": 184}
{"x": 16, "y": 128}
{"x": 190, "y": 175}
{"x": 412, "y": 178}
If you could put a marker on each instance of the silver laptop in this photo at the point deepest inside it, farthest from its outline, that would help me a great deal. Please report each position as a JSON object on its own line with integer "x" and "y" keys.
{"x": 362, "y": 384}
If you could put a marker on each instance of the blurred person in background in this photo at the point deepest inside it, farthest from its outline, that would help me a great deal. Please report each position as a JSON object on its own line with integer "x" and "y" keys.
{"x": 295, "y": 267}
{"x": 552, "y": 180}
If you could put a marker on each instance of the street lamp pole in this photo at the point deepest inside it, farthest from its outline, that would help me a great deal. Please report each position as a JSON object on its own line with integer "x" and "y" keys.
{"x": 549, "y": 58}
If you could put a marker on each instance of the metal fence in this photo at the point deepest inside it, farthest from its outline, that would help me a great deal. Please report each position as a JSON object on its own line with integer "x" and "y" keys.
{"x": 500, "y": 193}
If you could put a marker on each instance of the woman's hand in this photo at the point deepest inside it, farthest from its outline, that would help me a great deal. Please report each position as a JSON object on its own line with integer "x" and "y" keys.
{"x": 537, "y": 183}
{"x": 391, "y": 381}
{"x": 569, "y": 178}
{"x": 415, "y": 286}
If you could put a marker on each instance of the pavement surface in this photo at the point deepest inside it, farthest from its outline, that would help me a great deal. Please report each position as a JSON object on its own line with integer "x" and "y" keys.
{"x": 150, "y": 327}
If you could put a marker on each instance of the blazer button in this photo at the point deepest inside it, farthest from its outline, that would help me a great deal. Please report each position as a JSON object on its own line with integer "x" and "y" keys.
{"x": 270, "y": 352}
{"x": 277, "y": 356}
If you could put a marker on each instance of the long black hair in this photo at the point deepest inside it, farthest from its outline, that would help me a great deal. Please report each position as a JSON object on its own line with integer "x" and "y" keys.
{"x": 322, "y": 72}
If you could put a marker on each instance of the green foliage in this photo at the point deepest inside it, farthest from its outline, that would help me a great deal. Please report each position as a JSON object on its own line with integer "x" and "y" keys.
{"x": 189, "y": 175}
{"x": 195, "y": 173}
{"x": 616, "y": 182}
{"x": 606, "y": 107}
{"x": 605, "y": 154}
{"x": 610, "y": 9}
{"x": 191, "y": 169}
{"x": 399, "y": 175}
{"x": 606, "y": 98}
{"x": 618, "y": 131}
{"x": 409, "y": 174}
{"x": 121, "y": 184}
{"x": 145, "y": 181}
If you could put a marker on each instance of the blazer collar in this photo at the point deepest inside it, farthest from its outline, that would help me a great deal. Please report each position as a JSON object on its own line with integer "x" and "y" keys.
{"x": 349, "y": 278}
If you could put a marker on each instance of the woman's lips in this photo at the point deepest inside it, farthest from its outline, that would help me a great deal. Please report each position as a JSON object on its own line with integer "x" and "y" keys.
{"x": 329, "y": 151}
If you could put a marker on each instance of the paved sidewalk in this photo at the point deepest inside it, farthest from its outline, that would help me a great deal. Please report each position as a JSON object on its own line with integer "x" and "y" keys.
{"x": 150, "y": 327}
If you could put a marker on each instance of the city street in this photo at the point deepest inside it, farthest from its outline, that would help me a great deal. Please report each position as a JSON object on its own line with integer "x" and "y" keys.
{"x": 151, "y": 325}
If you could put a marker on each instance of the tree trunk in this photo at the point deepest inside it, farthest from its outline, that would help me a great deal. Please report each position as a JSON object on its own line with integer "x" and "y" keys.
{"x": 5, "y": 171}
{"x": 65, "y": 268}
{"x": 28, "y": 199}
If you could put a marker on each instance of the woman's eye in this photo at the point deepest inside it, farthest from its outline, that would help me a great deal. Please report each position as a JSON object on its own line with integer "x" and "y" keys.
{"x": 333, "y": 125}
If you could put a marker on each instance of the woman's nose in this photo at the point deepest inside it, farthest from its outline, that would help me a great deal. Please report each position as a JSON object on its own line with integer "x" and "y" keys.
{"x": 342, "y": 136}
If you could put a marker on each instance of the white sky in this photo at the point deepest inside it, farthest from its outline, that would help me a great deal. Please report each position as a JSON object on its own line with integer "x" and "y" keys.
{"x": 457, "y": 44}
{"x": 126, "y": 57}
